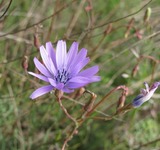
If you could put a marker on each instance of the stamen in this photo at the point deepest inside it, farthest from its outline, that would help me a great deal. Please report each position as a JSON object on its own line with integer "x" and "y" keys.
{"x": 62, "y": 76}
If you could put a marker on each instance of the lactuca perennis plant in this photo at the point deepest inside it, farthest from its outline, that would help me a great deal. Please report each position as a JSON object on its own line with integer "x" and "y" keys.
{"x": 62, "y": 70}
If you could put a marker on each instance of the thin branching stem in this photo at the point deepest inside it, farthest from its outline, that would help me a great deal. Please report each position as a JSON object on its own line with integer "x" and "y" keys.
{"x": 74, "y": 131}
{"x": 66, "y": 112}
{"x": 76, "y": 125}
{"x": 10, "y": 2}
{"x": 37, "y": 23}
{"x": 116, "y": 20}
{"x": 104, "y": 98}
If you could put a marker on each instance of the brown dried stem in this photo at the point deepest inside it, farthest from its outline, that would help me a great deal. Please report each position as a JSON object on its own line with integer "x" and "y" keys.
{"x": 30, "y": 26}
{"x": 70, "y": 137}
{"x": 59, "y": 95}
{"x": 66, "y": 112}
{"x": 105, "y": 97}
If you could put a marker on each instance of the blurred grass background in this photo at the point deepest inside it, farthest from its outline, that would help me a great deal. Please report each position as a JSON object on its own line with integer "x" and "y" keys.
{"x": 41, "y": 124}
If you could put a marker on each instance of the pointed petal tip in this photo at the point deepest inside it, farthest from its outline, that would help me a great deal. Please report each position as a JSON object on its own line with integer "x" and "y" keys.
{"x": 75, "y": 43}
{"x": 96, "y": 68}
{"x": 41, "y": 47}
{"x": 88, "y": 59}
{"x": 155, "y": 85}
{"x": 61, "y": 41}
{"x": 96, "y": 79}
{"x": 74, "y": 46}
{"x": 35, "y": 58}
{"x": 41, "y": 91}
{"x": 49, "y": 42}
{"x": 29, "y": 72}
{"x": 61, "y": 54}
{"x": 84, "y": 51}
{"x": 32, "y": 98}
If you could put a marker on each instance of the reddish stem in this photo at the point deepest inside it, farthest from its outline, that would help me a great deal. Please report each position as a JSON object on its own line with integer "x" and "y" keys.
{"x": 66, "y": 112}
{"x": 104, "y": 98}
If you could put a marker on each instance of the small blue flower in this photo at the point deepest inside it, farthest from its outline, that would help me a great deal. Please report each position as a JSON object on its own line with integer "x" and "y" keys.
{"x": 145, "y": 94}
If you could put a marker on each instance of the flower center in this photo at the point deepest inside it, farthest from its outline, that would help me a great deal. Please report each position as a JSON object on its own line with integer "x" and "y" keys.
{"x": 62, "y": 76}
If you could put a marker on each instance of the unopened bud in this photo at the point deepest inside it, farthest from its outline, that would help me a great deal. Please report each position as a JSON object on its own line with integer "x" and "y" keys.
{"x": 109, "y": 29}
{"x": 88, "y": 8}
{"x": 147, "y": 14}
{"x": 36, "y": 41}
{"x": 25, "y": 63}
{"x": 129, "y": 27}
{"x": 90, "y": 104}
{"x": 138, "y": 34}
{"x": 80, "y": 92}
{"x": 135, "y": 70}
{"x": 76, "y": 132}
{"x": 122, "y": 98}
{"x": 121, "y": 101}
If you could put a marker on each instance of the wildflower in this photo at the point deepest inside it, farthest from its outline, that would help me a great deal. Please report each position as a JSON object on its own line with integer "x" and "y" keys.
{"x": 62, "y": 70}
{"x": 145, "y": 94}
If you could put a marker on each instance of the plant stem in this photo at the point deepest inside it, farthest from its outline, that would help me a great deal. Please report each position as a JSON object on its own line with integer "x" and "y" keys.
{"x": 104, "y": 98}
{"x": 70, "y": 137}
{"x": 71, "y": 118}
{"x": 66, "y": 112}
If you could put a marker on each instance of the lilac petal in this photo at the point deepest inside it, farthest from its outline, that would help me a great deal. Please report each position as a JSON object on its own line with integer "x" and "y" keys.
{"x": 138, "y": 97}
{"x": 39, "y": 76}
{"x": 60, "y": 86}
{"x": 47, "y": 60}
{"x": 81, "y": 56}
{"x": 76, "y": 85}
{"x": 95, "y": 79}
{"x": 71, "y": 56}
{"x": 61, "y": 54}
{"x": 77, "y": 82}
{"x": 143, "y": 91}
{"x": 79, "y": 79}
{"x": 89, "y": 72}
{"x": 145, "y": 95}
{"x": 51, "y": 53}
{"x": 52, "y": 66}
{"x": 41, "y": 68}
{"x": 52, "y": 82}
{"x": 147, "y": 86}
{"x": 138, "y": 101}
{"x": 66, "y": 90}
{"x": 41, "y": 91}
{"x": 155, "y": 85}
{"x": 75, "y": 70}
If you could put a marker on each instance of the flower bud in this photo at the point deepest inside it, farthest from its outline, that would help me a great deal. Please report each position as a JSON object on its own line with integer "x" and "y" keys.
{"x": 147, "y": 14}
{"x": 25, "y": 63}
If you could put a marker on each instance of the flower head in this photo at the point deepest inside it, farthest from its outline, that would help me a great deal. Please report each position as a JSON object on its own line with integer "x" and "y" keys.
{"x": 145, "y": 94}
{"x": 62, "y": 70}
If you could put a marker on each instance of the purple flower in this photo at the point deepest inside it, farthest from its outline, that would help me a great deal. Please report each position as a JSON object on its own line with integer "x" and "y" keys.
{"x": 62, "y": 70}
{"x": 145, "y": 95}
